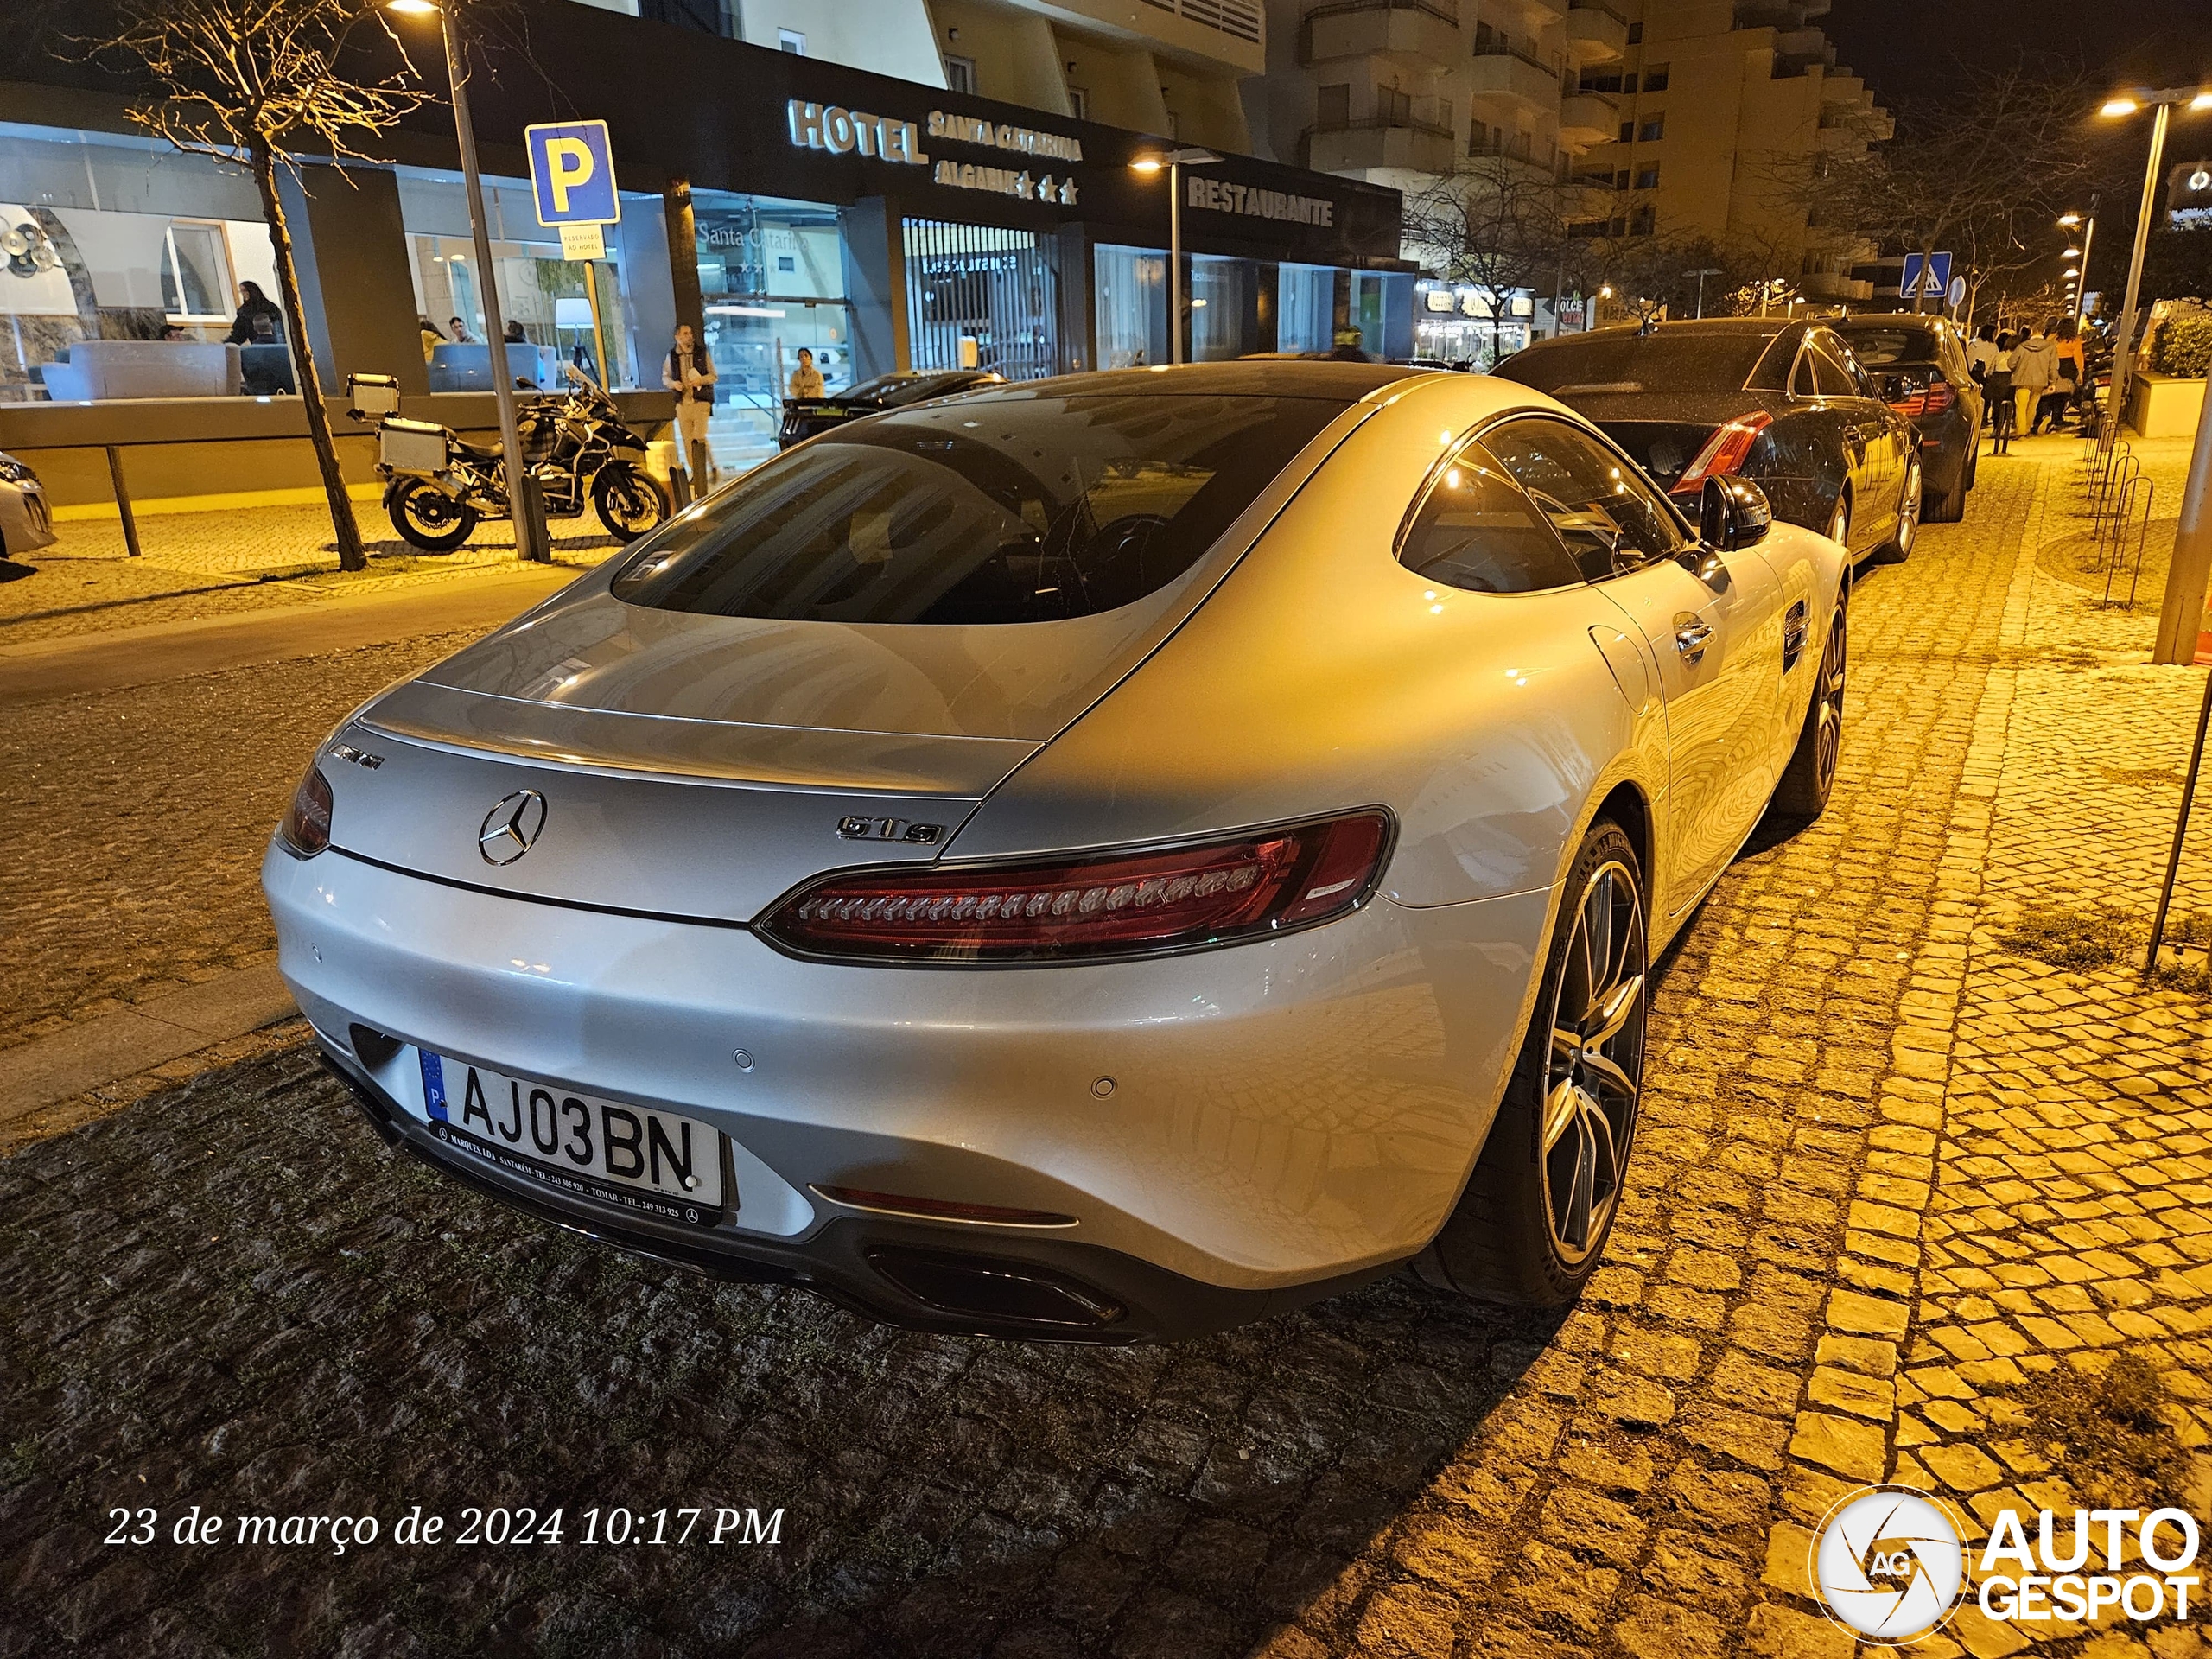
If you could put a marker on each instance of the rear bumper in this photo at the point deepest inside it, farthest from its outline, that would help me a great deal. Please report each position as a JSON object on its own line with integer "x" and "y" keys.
{"x": 1233, "y": 1131}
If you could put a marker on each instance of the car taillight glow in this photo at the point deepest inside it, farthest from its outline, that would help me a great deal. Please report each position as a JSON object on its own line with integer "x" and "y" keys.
{"x": 306, "y": 824}
{"x": 1099, "y": 904}
{"x": 1725, "y": 452}
{"x": 1931, "y": 399}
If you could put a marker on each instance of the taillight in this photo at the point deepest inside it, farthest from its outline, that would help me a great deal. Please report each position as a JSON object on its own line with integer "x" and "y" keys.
{"x": 1931, "y": 399}
{"x": 1096, "y": 904}
{"x": 306, "y": 824}
{"x": 1723, "y": 453}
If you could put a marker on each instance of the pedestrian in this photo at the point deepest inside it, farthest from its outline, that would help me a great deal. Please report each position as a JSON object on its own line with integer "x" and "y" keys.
{"x": 459, "y": 331}
{"x": 1981, "y": 351}
{"x": 2035, "y": 366}
{"x": 258, "y": 321}
{"x": 689, "y": 373}
{"x": 431, "y": 338}
{"x": 806, "y": 379}
{"x": 515, "y": 335}
{"x": 2071, "y": 367}
{"x": 1998, "y": 385}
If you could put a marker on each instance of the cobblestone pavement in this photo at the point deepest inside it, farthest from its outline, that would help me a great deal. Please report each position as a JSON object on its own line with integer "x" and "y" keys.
{"x": 1871, "y": 1124}
{"x": 215, "y": 563}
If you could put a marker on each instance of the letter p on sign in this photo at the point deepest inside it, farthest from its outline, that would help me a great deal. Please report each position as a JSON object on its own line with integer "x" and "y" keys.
{"x": 572, "y": 173}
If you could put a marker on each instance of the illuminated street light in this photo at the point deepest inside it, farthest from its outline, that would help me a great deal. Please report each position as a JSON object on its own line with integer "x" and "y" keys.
{"x": 2161, "y": 103}
{"x": 529, "y": 523}
{"x": 1174, "y": 162}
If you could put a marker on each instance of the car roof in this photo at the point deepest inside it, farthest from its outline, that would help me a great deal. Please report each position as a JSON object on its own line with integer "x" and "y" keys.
{"x": 1243, "y": 378}
{"x": 1768, "y": 325}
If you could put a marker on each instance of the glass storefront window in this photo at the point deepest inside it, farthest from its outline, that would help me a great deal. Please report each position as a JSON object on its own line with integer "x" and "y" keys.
{"x": 1454, "y": 324}
{"x": 127, "y": 283}
{"x": 771, "y": 274}
{"x": 1131, "y": 290}
{"x": 1224, "y": 308}
{"x": 980, "y": 297}
{"x": 1306, "y": 307}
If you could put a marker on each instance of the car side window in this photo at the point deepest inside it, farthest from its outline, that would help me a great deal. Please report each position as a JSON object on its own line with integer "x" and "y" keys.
{"x": 1831, "y": 377}
{"x": 1600, "y": 505}
{"x": 1475, "y": 530}
{"x": 1801, "y": 381}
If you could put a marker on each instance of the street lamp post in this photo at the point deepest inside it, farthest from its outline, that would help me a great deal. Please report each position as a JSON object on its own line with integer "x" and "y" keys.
{"x": 1174, "y": 161}
{"x": 2161, "y": 103}
{"x": 522, "y": 488}
{"x": 1702, "y": 273}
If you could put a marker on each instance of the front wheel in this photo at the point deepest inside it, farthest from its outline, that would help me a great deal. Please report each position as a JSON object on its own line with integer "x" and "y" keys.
{"x": 1810, "y": 779}
{"x": 629, "y": 502}
{"x": 1533, "y": 1221}
{"x": 1898, "y": 548}
{"x": 429, "y": 518}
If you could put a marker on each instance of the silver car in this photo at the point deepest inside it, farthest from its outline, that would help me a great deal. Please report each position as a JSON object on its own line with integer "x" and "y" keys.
{"x": 1102, "y": 859}
{"x": 26, "y": 519}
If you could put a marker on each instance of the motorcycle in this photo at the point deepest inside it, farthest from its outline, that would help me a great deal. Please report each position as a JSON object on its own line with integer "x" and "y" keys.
{"x": 439, "y": 486}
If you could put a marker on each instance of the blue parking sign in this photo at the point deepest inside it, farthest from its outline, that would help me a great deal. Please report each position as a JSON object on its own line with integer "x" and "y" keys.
{"x": 572, "y": 173}
{"x": 1934, "y": 280}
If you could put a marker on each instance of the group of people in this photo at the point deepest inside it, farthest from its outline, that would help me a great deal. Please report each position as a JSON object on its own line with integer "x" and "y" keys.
{"x": 2031, "y": 378}
{"x": 433, "y": 336}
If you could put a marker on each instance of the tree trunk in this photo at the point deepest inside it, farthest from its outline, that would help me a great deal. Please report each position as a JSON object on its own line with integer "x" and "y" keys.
{"x": 1920, "y": 283}
{"x": 351, "y": 554}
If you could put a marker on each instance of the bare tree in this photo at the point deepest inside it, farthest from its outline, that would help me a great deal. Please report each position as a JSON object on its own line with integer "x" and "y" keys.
{"x": 1498, "y": 226}
{"x": 257, "y": 83}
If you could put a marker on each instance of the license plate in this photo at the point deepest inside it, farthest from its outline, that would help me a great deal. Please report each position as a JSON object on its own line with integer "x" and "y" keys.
{"x": 635, "y": 1156}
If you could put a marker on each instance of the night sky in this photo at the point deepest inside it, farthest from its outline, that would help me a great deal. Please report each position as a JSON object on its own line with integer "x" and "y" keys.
{"x": 1907, "y": 49}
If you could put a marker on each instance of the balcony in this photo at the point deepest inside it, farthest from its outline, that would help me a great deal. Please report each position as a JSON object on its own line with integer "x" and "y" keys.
{"x": 1510, "y": 159}
{"x": 1508, "y": 72}
{"x": 1380, "y": 141}
{"x": 1595, "y": 34}
{"x": 1588, "y": 118}
{"x": 1424, "y": 31}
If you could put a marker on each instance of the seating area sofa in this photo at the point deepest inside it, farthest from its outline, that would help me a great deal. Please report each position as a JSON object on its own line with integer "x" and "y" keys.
{"x": 456, "y": 367}
{"x": 97, "y": 369}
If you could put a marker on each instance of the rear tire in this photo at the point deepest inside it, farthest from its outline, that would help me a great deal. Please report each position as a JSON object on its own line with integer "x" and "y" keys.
{"x": 1810, "y": 779}
{"x": 428, "y": 518}
{"x": 1951, "y": 506}
{"x": 1840, "y": 522}
{"x": 1532, "y": 1223}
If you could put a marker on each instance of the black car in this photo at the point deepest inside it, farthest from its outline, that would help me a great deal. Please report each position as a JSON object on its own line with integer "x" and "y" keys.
{"x": 1920, "y": 366}
{"x": 1782, "y": 404}
{"x": 805, "y": 416}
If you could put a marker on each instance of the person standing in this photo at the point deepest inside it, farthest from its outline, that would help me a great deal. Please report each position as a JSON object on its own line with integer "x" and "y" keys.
{"x": 1999, "y": 385}
{"x": 2035, "y": 365}
{"x": 806, "y": 379}
{"x": 259, "y": 321}
{"x": 2070, "y": 368}
{"x": 1981, "y": 351}
{"x": 689, "y": 373}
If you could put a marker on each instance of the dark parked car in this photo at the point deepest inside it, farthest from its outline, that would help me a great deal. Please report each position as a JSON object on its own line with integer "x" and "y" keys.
{"x": 1782, "y": 404}
{"x": 805, "y": 416}
{"x": 1919, "y": 364}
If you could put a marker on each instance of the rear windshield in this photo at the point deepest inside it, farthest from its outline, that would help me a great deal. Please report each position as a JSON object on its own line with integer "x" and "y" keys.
{"x": 1877, "y": 348}
{"x": 1024, "y": 507}
{"x": 1620, "y": 364}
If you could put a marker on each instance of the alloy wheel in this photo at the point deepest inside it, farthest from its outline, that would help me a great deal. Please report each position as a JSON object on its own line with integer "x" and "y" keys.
{"x": 1828, "y": 705}
{"x": 1909, "y": 512}
{"x": 1594, "y": 1074}
{"x": 1839, "y": 522}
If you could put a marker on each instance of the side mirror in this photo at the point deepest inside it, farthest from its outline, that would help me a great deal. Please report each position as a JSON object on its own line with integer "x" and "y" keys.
{"x": 1732, "y": 512}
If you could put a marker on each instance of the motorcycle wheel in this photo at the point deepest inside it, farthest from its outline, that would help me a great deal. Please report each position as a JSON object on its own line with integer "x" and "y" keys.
{"x": 429, "y": 518}
{"x": 629, "y": 502}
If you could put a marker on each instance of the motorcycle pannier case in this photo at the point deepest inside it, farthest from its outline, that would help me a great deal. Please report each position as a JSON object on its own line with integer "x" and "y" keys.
{"x": 411, "y": 446}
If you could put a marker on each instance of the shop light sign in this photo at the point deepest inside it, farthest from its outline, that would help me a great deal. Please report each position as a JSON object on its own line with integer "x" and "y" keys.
{"x": 842, "y": 132}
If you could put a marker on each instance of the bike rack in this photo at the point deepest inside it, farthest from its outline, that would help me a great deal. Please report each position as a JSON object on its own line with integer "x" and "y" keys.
{"x": 2147, "y": 490}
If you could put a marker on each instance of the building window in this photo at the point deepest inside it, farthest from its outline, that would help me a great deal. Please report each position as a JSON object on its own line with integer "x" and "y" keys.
{"x": 1653, "y": 130}
{"x": 791, "y": 40}
{"x": 1628, "y": 131}
{"x": 960, "y": 75}
{"x": 1646, "y": 178}
{"x": 1079, "y": 103}
{"x": 1332, "y": 106}
{"x": 1654, "y": 78}
{"x": 1636, "y": 34}
{"x": 195, "y": 274}
{"x": 1642, "y": 222}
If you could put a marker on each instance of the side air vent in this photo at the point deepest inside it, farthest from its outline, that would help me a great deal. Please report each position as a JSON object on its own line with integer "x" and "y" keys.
{"x": 1793, "y": 636}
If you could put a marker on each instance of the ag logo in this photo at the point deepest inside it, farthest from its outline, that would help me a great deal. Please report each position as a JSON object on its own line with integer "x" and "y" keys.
{"x": 1888, "y": 1563}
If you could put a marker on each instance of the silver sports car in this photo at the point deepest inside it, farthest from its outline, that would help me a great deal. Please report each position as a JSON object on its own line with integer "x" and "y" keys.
{"x": 1101, "y": 859}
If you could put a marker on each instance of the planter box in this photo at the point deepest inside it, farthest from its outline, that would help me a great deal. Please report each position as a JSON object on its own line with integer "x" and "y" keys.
{"x": 2160, "y": 406}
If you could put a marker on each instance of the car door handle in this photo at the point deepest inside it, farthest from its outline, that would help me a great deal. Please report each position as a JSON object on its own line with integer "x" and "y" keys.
{"x": 1691, "y": 633}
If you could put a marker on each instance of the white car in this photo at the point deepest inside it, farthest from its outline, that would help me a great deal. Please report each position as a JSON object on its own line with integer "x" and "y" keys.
{"x": 1104, "y": 858}
{"x": 26, "y": 521}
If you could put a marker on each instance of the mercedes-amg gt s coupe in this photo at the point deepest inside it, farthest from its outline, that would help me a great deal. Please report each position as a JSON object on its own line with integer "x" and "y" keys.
{"x": 1102, "y": 859}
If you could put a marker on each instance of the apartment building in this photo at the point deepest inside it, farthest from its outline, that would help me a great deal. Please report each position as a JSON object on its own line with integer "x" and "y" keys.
{"x": 1173, "y": 67}
{"x": 1678, "y": 116}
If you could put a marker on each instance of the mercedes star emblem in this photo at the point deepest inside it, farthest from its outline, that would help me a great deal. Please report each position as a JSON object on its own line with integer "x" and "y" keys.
{"x": 512, "y": 827}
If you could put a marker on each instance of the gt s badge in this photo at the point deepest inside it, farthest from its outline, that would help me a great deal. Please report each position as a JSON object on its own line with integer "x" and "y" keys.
{"x": 358, "y": 757}
{"x": 916, "y": 835}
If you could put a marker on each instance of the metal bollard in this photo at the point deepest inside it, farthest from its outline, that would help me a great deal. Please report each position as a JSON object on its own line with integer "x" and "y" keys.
{"x": 123, "y": 500}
